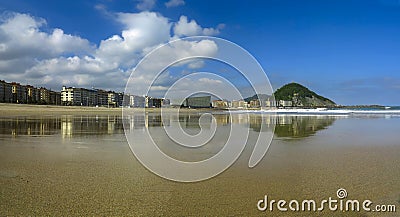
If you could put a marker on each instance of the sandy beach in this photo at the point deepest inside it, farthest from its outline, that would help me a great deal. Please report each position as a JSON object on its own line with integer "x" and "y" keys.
{"x": 81, "y": 165}
{"x": 93, "y": 177}
{"x": 7, "y": 109}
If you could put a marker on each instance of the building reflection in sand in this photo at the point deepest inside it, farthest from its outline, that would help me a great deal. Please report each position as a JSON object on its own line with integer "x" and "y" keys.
{"x": 286, "y": 126}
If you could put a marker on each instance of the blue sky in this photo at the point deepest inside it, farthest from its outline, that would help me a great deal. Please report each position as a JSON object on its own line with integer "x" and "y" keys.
{"x": 346, "y": 50}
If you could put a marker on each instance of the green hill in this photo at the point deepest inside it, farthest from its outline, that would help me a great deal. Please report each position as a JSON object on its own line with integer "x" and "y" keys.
{"x": 301, "y": 96}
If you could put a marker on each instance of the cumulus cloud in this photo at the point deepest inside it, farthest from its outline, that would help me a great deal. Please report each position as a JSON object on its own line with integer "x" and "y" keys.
{"x": 23, "y": 44}
{"x": 184, "y": 27}
{"x": 76, "y": 71}
{"x": 144, "y": 74}
{"x": 30, "y": 53}
{"x": 21, "y": 36}
{"x": 145, "y": 5}
{"x": 174, "y": 3}
{"x": 210, "y": 81}
{"x": 198, "y": 83}
{"x": 197, "y": 64}
{"x": 142, "y": 30}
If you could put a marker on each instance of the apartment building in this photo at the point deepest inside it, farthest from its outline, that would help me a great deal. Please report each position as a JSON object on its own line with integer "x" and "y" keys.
{"x": 220, "y": 104}
{"x": 5, "y": 92}
{"x": 19, "y": 93}
{"x": 76, "y": 96}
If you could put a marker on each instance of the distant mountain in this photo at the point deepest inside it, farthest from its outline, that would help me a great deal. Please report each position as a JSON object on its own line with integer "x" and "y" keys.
{"x": 301, "y": 96}
{"x": 262, "y": 97}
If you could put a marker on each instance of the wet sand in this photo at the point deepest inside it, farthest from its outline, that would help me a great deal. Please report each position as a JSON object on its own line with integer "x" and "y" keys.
{"x": 98, "y": 175}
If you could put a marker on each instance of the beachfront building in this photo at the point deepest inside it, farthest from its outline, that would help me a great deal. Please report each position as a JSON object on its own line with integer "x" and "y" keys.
{"x": 33, "y": 94}
{"x": 5, "y": 92}
{"x": 156, "y": 102}
{"x": 120, "y": 99}
{"x": 55, "y": 98}
{"x": 101, "y": 97}
{"x": 114, "y": 99}
{"x": 145, "y": 102}
{"x": 73, "y": 96}
{"x": 151, "y": 102}
{"x": 44, "y": 95}
{"x": 220, "y": 104}
{"x": 285, "y": 103}
{"x": 239, "y": 104}
{"x": 197, "y": 102}
{"x": 270, "y": 103}
{"x": 48, "y": 97}
{"x": 137, "y": 101}
{"x": 67, "y": 96}
{"x": 255, "y": 103}
{"x": 90, "y": 97}
{"x": 18, "y": 93}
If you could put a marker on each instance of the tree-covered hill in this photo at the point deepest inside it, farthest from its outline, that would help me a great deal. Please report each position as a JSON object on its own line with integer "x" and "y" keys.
{"x": 301, "y": 96}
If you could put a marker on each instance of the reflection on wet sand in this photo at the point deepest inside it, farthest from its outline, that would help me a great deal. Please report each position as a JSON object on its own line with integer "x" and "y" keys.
{"x": 69, "y": 126}
{"x": 31, "y": 126}
{"x": 90, "y": 125}
{"x": 301, "y": 126}
{"x": 82, "y": 166}
{"x": 285, "y": 125}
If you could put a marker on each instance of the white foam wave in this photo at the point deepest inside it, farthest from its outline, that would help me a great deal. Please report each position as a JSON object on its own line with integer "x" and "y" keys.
{"x": 321, "y": 111}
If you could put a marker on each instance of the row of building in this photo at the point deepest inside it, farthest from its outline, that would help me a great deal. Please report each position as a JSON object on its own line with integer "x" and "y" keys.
{"x": 205, "y": 102}
{"x": 13, "y": 92}
{"x": 75, "y": 96}
{"x": 97, "y": 97}
{"x": 16, "y": 93}
{"x": 250, "y": 104}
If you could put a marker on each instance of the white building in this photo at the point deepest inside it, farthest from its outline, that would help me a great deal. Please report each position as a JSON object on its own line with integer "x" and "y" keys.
{"x": 67, "y": 95}
{"x": 285, "y": 103}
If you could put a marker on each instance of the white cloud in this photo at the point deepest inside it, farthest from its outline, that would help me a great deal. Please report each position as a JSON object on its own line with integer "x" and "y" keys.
{"x": 198, "y": 83}
{"x": 29, "y": 54}
{"x": 23, "y": 43}
{"x": 184, "y": 27}
{"x": 210, "y": 81}
{"x": 142, "y": 30}
{"x": 21, "y": 36}
{"x": 77, "y": 71}
{"x": 144, "y": 74}
{"x": 145, "y": 5}
{"x": 196, "y": 64}
{"x": 174, "y": 3}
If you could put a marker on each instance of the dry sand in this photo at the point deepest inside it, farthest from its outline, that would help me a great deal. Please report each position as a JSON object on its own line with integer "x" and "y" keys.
{"x": 7, "y": 109}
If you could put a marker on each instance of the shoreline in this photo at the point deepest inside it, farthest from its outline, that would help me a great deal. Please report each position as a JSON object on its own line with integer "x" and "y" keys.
{"x": 9, "y": 109}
